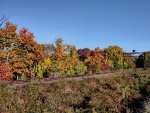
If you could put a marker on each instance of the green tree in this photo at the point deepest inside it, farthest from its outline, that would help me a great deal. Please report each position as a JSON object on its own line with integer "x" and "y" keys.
{"x": 114, "y": 56}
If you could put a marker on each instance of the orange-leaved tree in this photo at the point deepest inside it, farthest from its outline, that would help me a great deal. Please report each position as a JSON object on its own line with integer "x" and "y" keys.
{"x": 27, "y": 53}
{"x": 19, "y": 50}
{"x": 5, "y": 73}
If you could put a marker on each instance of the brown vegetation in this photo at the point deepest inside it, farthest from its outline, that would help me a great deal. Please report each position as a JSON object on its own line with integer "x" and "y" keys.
{"x": 111, "y": 94}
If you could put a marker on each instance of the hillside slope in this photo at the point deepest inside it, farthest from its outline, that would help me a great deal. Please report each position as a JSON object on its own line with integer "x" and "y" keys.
{"x": 124, "y": 91}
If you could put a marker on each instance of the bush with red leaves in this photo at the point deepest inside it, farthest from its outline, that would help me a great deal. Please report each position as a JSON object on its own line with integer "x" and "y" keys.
{"x": 5, "y": 73}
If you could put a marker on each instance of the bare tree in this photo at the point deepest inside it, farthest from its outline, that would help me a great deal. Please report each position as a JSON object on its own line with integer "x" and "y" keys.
{"x": 3, "y": 20}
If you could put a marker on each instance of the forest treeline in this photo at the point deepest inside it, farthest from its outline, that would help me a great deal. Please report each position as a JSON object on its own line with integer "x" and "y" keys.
{"x": 22, "y": 57}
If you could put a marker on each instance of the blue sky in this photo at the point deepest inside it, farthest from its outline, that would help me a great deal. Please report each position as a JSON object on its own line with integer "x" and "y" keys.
{"x": 84, "y": 23}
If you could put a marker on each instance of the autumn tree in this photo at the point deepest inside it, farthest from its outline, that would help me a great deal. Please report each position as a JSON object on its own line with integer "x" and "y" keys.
{"x": 115, "y": 57}
{"x": 66, "y": 56}
{"x": 63, "y": 61}
{"x": 84, "y": 53}
{"x": 95, "y": 60}
{"x": 7, "y": 41}
{"x": 22, "y": 56}
{"x": 27, "y": 53}
{"x": 5, "y": 73}
{"x": 78, "y": 67}
{"x": 19, "y": 50}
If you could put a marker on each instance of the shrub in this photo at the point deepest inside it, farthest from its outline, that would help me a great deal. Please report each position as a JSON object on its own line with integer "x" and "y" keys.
{"x": 147, "y": 106}
{"x": 5, "y": 73}
{"x": 70, "y": 72}
{"x": 129, "y": 62}
{"x": 42, "y": 69}
{"x": 80, "y": 68}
